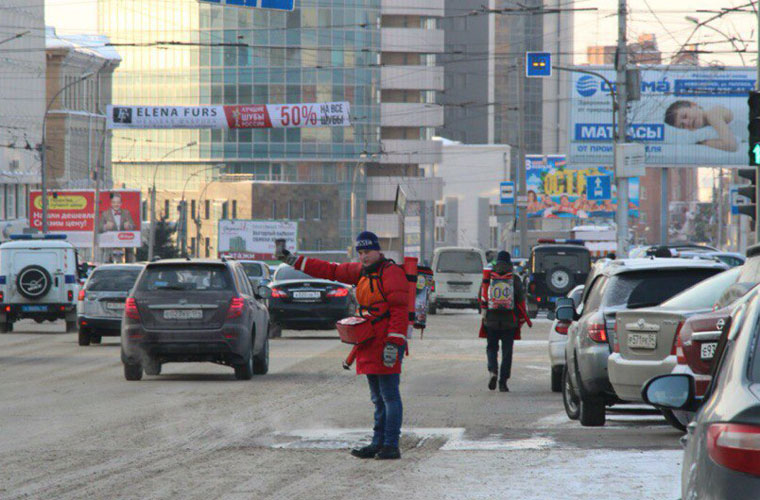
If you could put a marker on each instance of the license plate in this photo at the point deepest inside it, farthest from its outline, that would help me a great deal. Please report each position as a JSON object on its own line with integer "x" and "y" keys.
{"x": 34, "y": 308}
{"x": 183, "y": 314}
{"x": 707, "y": 350}
{"x": 115, "y": 306}
{"x": 306, "y": 295}
{"x": 459, "y": 288}
{"x": 642, "y": 340}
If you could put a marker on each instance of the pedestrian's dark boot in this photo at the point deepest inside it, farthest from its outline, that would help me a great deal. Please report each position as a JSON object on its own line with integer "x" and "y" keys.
{"x": 388, "y": 453}
{"x": 503, "y": 387}
{"x": 368, "y": 451}
{"x": 492, "y": 381}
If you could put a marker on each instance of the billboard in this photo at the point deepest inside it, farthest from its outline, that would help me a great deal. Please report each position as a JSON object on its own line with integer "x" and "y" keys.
{"x": 72, "y": 212}
{"x": 685, "y": 117}
{"x": 254, "y": 239}
{"x": 556, "y": 190}
{"x": 323, "y": 114}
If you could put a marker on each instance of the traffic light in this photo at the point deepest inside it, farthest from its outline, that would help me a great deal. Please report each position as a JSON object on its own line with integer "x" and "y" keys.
{"x": 749, "y": 191}
{"x": 754, "y": 128}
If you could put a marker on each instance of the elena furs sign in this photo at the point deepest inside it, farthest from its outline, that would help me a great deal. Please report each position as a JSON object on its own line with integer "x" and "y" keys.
{"x": 686, "y": 117}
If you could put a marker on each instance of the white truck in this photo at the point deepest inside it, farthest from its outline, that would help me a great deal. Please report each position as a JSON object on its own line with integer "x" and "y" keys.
{"x": 38, "y": 280}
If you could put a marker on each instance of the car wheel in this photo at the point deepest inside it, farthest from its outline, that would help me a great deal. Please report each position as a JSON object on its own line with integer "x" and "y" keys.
{"x": 261, "y": 361}
{"x": 244, "y": 371}
{"x": 71, "y": 326}
{"x": 569, "y": 397}
{"x": 133, "y": 371}
{"x": 84, "y": 337}
{"x": 152, "y": 367}
{"x": 559, "y": 280}
{"x": 672, "y": 420}
{"x": 557, "y": 378}
{"x": 275, "y": 330}
{"x": 592, "y": 412}
{"x": 432, "y": 308}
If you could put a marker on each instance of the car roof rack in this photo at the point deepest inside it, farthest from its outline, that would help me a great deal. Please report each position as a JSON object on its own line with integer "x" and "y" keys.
{"x": 37, "y": 236}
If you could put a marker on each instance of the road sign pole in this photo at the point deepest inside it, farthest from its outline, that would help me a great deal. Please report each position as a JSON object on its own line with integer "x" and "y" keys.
{"x": 522, "y": 180}
{"x": 622, "y": 182}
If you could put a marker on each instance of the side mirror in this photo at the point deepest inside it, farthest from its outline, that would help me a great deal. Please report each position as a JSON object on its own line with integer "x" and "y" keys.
{"x": 564, "y": 310}
{"x": 671, "y": 391}
{"x": 264, "y": 292}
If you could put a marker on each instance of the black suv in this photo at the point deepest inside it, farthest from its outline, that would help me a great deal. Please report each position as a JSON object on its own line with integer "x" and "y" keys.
{"x": 195, "y": 310}
{"x": 553, "y": 270}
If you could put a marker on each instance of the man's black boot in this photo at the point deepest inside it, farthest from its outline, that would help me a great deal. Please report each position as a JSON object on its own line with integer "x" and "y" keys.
{"x": 492, "y": 381}
{"x": 388, "y": 453}
{"x": 368, "y": 451}
{"x": 503, "y": 387}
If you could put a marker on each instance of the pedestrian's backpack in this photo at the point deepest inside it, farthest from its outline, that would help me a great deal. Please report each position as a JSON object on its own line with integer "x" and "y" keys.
{"x": 501, "y": 292}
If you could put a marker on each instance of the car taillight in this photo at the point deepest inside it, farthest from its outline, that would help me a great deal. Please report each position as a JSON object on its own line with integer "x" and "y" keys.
{"x": 563, "y": 327}
{"x": 736, "y": 446}
{"x": 70, "y": 295}
{"x": 278, "y": 294}
{"x": 677, "y": 349}
{"x": 597, "y": 331}
{"x": 2, "y": 296}
{"x": 338, "y": 292}
{"x": 130, "y": 309}
{"x": 236, "y": 307}
{"x": 80, "y": 296}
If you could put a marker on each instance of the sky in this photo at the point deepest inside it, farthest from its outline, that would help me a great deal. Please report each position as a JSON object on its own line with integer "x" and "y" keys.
{"x": 665, "y": 19}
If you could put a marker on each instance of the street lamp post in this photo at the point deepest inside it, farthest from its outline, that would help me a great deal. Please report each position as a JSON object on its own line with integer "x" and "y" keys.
{"x": 152, "y": 241}
{"x": 43, "y": 147}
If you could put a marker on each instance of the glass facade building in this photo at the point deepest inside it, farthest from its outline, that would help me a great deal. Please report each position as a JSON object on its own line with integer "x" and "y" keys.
{"x": 182, "y": 52}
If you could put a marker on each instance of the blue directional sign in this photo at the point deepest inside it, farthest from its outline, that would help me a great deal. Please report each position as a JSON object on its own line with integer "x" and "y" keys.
{"x": 507, "y": 193}
{"x": 737, "y": 200}
{"x": 262, "y": 4}
{"x": 538, "y": 64}
{"x": 599, "y": 187}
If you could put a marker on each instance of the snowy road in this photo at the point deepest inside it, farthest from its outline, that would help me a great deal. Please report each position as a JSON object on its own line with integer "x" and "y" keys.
{"x": 72, "y": 427}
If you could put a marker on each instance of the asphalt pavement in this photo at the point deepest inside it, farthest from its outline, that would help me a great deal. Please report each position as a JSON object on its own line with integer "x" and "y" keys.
{"x": 72, "y": 427}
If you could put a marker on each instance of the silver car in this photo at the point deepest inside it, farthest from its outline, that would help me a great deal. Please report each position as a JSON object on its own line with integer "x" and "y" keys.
{"x": 258, "y": 272}
{"x": 558, "y": 339}
{"x": 100, "y": 304}
{"x": 722, "y": 456}
{"x": 620, "y": 285}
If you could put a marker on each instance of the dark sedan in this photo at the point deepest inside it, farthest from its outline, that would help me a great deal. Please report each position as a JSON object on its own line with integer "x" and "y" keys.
{"x": 722, "y": 457}
{"x": 301, "y": 302}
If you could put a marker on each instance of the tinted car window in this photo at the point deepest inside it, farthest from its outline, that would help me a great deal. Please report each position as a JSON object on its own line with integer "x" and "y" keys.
{"x": 575, "y": 260}
{"x": 253, "y": 270}
{"x": 115, "y": 280}
{"x": 192, "y": 277}
{"x": 705, "y": 294}
{"x": 651, "y": 287}
{"x": 594, "y": 297}
{"x": 288, "y": 273}
{"x": 459, "y": 262}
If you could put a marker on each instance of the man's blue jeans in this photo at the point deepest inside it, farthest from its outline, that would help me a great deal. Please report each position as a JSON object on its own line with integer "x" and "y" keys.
{"x": 388, "y": 409}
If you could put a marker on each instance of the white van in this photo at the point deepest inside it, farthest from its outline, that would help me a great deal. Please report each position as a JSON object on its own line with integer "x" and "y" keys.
{"x": 458, "y": 274}
{"x": 38, "y": 280}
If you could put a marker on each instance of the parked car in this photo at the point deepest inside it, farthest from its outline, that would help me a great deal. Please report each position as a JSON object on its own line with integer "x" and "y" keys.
{"x": 722, "y": 445}
{"x": 558, "y": 339}
{"x": 617, "y": 286}
{"x": 675, "y": 248}
{"x": 195, "y": 310}
{"x": 646, "y": 339}
{"x": 458, "y": 274}
{"x": 100, "y": 303}
{"x": 555, "y": 267}
{"x": 258, "y": 272}
{"x": 732, "y": 259}
{"x": 301, "y": 302}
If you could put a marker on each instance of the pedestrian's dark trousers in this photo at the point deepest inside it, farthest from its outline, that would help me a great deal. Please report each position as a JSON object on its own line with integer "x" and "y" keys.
{"x": 507, "y": 339}
{"x": 388, "y": 409}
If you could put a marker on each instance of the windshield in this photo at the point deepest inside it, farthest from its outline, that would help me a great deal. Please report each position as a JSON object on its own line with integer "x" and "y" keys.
{"x": 112, "y": 280}
{"x": 253, "y": 269}
{"x": 288, "y": 273}
{"x": 651, "y": 287}
{"x": 192, "y": 278}
{"x": 460, "y": 262}
{"x": 704, "y": 294}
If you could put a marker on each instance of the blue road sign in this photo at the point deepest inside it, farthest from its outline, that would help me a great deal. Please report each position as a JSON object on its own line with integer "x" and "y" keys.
{"x": 599, "y": 187}
{"x": 538, "y": 64}
{"x": 262, "y": 4}
{"x": 507, "y": 193}
{"x": 737, "y": 200}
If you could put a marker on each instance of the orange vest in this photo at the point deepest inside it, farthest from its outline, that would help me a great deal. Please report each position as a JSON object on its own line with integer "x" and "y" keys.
{"x": 369, "y": 295}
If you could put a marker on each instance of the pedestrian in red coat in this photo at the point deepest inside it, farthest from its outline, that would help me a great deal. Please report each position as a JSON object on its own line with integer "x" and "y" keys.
{"x": 382, "y": 292}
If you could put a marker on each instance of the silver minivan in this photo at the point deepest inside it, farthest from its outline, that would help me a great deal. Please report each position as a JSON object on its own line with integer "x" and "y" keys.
{"x": 100, "y": 304}
{"x": 458, "y": 274}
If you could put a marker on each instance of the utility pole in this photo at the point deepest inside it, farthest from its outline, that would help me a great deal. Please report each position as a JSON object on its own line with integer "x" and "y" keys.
{"x": 522, "y": 188}
{"x": 622, "y": 128}
{"x": 757, "y": 184}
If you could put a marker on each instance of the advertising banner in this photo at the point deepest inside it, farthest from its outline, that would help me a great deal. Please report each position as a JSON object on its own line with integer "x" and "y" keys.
{"x": 324, "y": 114}
{"x": 685, "y": 117}
{"x": 556, "y": 190}
{"x": 72, "y": 212}
{"x": 254, "y": 239}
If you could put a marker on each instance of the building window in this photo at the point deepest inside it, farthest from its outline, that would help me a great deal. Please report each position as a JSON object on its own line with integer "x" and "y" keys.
{"x": 166, "y": 209}
{"x": 494, "y": 237}
{"x": 225, "y": 210}
{"x": 208, "y": 247}
{"x": 290, "y": 211}
{"x": 303, "y": 210}
{"x": 440, "y": 234}
{"x": 10, "y": 199}
{"x": 319, "y": 244}
{"x": 207, "y": 209}
{"x": 318, "y": 210}
{"x": 234, "y": 209}
{"x": 274, "y": 209}
{"x": 643, "y": 192}
{"x": 192, "y": 209}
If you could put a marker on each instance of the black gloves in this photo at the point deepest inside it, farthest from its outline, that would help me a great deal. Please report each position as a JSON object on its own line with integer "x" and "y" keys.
{"x": 287, "y": 257}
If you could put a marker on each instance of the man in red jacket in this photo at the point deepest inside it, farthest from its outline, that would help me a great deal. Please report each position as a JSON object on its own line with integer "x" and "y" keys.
{"x": 382, "y": 292}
